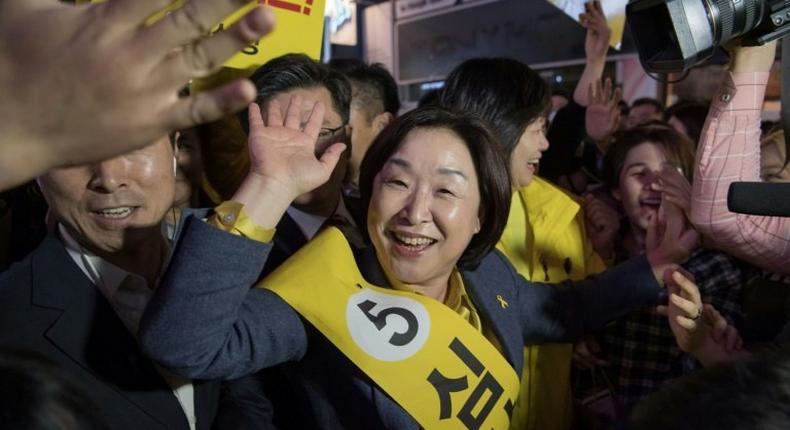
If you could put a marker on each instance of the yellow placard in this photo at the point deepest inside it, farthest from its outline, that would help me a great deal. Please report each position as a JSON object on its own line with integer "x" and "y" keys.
{"x": 613, "y": 9}
{"x": 299, "y": 29}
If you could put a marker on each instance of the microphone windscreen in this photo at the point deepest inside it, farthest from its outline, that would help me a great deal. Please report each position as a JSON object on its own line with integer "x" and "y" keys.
{"x": 759, "y": 198}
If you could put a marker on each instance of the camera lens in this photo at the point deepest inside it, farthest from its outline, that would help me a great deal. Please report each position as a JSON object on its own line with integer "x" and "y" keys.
{"x": 732, "y": 18}
{"x": 674, "y": 35}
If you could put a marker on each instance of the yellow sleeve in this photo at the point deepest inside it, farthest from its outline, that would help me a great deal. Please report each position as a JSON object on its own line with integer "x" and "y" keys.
{"x": 230, "y": 217}
{"x": 594, "y": 263}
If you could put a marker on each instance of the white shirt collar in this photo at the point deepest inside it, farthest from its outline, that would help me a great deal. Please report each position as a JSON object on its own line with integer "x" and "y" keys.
{"x": 105, "y": 275}
{"x": 108, "y": 277}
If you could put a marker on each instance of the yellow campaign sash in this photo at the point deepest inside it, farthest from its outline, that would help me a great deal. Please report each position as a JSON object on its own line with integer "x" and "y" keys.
{"x": 435, "y": 364}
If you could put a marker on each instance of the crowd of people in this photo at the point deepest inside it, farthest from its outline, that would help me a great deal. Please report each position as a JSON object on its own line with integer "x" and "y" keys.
{"x": 502, "y": 256}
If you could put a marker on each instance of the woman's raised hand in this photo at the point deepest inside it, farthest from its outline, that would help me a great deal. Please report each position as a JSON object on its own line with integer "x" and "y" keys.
{"x": 602, "y": 116}
{"x": 670, "y": 238}
{"x": 674, "y": 187}
{"x": 284, "y": 163}
{"x": 283, "y": 151}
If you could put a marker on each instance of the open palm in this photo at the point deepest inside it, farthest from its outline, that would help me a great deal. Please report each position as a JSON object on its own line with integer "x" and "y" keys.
{"x": 596, "y": 43}
{"x": 670, "y": 237}
{"x": 284, "y": 153}
{"x": 602, "y": 116}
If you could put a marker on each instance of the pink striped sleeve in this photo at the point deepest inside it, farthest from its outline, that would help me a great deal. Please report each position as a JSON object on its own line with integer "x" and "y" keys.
{"x": 729, "y": 151}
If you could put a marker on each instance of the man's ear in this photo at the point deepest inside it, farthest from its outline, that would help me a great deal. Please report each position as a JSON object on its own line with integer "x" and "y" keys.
{"x": 381, "y": 121}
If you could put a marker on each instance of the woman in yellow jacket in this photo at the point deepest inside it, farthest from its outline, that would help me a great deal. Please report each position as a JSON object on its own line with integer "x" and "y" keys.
{"x": 546, "y": 236}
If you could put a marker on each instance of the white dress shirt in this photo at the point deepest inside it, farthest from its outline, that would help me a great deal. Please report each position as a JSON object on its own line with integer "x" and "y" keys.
{"x": 128, "y": 295}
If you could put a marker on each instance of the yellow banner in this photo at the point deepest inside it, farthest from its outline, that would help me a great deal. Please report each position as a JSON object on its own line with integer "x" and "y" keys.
{"x": 438, "y": 367}
{"x": 299, "y": 29}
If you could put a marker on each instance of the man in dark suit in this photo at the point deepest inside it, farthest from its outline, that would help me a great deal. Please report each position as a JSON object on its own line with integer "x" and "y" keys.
{"x": 78, "y": 297}
{"x": 277, "y": 81}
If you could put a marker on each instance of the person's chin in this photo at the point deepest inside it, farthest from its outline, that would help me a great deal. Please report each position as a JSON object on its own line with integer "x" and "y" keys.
{"x": 405, "y": 268}
{"x": 107, "y": 242}
{"x": 407, "y": 274}
{"x": 525, "y": 181}
{"x": 525, "y": 178}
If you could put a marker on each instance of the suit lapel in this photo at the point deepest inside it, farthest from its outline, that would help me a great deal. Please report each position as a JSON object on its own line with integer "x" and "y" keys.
{"x": 288, "y": 238}
{"x": 206, "y": 402}
{"x": 369, "y": 267}
{"x": 354, "y": 207}
{"x": 90, "y": 333}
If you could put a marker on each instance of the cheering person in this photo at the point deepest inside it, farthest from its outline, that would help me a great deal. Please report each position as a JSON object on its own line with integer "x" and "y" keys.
{"x": 426, "y": 328}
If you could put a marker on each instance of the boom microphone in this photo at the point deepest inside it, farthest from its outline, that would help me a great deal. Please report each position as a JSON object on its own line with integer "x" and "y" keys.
{"x": 759, "y": 198}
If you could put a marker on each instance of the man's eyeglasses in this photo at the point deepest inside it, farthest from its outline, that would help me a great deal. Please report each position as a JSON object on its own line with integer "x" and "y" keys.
{"x": 327, "y": 132}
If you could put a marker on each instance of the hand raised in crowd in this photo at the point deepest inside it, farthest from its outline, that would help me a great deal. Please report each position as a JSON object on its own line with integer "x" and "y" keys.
{"x": 596, "y": 44}
{"x": 674, "y": 187}
{"x": 603, "y": 111}
{"x": 284, "y": 159}
{"x": 92, "y": 81}
{"x": 670, "y": 238}
{"x": 603, "y": 223}
{"x": 699, "y": 329}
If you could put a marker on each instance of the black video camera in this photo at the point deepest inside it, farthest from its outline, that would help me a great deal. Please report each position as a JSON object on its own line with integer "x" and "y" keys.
{"x": 674, "y": 35}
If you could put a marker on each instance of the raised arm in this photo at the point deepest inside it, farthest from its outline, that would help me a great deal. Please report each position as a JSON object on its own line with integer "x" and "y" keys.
{"x": 565, "y": 312}
{"x": 204, "y": 320}
{"x": 596, "y": 45}
{"x": 729, "y": 151}
{"x": 82, "y": 83}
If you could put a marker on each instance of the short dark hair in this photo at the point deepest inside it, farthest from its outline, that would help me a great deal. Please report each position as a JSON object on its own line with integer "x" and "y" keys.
{"x": 691, "y": 114}
{"x": 746, "y": 394}
{"x": 487, "y": 157}
{"x": 375, "y": 88}
{"x": 293, "y": 71}
{"x": 430, "y": 97}
{"x": 560, "y": 93}
{"x": 36, "y": 394}
{"x": 679, "y": 149}
{"x": 649, "y": 101}
{"x": 504, "y": 92}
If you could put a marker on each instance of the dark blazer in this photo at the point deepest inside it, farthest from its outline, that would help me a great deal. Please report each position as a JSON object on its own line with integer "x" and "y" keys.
{"x": 49, "y": 306}
{"x": 288, "y": 237}
{"x": 204, "y": 321}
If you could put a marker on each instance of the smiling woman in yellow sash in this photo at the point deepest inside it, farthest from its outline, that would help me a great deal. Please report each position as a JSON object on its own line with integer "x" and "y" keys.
{"x": 424, "y": 329}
